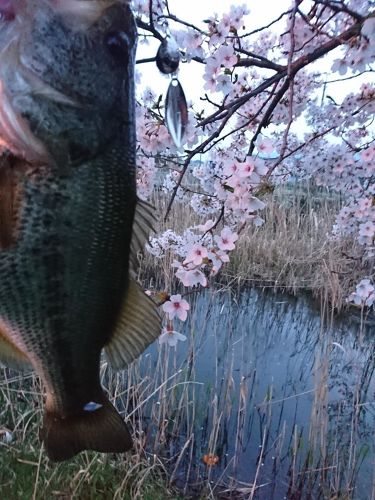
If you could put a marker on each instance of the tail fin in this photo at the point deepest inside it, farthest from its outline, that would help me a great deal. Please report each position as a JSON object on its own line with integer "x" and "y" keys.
{"x": 100, "y": 428}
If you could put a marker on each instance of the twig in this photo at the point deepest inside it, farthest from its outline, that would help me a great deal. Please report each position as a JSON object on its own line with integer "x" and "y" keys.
{"x": 299, "y": 64}
{"x": 266, "y": 26}
{"x": 146, "y": 60}
{"x": 267, "y": 115}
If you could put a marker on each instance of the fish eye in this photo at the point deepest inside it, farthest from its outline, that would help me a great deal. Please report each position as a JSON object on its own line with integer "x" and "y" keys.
{"x": 118, "y": 44}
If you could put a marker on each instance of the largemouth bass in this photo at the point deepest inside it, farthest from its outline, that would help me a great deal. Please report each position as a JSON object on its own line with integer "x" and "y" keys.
{"x": 70, "y": 221}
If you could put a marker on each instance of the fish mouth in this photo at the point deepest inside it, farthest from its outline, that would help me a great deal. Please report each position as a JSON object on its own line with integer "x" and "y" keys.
{"x": 81, "y": 13}
{"x": 15, "y": 133}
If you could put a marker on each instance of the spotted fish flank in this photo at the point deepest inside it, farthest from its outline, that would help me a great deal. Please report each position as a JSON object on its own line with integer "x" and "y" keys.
{"x": 70, "y": 222}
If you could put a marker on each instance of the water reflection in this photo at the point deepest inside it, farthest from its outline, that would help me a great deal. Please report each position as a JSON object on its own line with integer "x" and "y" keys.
{"x": 283, "y": 397}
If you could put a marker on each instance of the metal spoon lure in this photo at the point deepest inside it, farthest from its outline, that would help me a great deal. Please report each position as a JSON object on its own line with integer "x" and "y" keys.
{"x": 176, "y": 110}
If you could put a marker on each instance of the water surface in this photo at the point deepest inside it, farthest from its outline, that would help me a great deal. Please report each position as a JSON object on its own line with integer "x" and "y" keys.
{"x": 283, "y": 396}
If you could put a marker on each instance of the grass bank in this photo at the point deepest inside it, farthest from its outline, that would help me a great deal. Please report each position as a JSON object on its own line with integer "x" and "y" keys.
{"x": 26, "y": 472}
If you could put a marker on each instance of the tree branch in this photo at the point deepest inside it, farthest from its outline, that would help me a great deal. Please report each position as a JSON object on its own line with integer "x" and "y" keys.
{"x": 297, "y": 65}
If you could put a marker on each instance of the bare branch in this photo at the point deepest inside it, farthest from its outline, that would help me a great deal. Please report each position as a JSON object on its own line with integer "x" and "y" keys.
{"x": 148, "y": 27}
{"x": 338, "y": 7}
{"x": 184, "y": 23}
{"x": 290, "y": 77}
{"x": 258, "y": 30}
{"x": 297, "y": 65}
{"x": 251, "y": 61}
{"x": 250, "y": 54}
{"x": 197, "y": 150}
{"x": 267, "y": 115}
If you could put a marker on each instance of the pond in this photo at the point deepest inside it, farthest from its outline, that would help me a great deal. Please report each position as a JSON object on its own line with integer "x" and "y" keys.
{"x": 280, "y": 394}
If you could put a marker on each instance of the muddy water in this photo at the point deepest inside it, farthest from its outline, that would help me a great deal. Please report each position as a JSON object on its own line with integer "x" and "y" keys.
{"x": 284, "y": 397}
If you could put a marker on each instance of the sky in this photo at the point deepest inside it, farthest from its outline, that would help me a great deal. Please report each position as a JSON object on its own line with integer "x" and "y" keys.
{"x": 196, "y": 11}
{"x": 261, "y": 13}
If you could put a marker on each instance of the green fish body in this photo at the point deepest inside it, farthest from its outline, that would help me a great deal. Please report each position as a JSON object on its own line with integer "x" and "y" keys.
{"x": 70, "y": 222}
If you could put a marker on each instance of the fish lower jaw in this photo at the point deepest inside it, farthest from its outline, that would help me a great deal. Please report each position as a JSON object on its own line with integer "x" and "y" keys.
{"x": 15, "y": 133}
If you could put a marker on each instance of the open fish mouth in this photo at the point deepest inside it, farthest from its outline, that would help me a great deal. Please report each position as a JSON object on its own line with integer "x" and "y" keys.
{"x": 15, "y": 133}
{"x": 81, "y": 12}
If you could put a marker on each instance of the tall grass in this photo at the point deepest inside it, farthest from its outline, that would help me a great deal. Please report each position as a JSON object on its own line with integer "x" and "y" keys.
{"x": 26, "y": 473}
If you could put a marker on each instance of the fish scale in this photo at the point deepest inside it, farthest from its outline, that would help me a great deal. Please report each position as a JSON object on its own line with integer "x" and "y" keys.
{"x": 89, "y": 233}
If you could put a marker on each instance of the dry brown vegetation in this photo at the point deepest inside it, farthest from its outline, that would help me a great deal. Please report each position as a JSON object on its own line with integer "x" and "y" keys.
{"x": 293, "y": 251}
{"x": 27, "y": 473}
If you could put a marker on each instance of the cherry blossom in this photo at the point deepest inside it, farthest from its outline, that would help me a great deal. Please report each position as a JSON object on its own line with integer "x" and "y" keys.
{"x": 209, "y": 224}
{"x": 196, "y": 255}
{"x": 171, "y": 337}
{"x": 368, "y": 29}
{"x": 368, "y": 154}
{"x": 191, "y": 277}
{"x": 230, "y": 167}
{"x": 265, "y": 145}
{"x": 223, "y": 84}
{"x": 217, "y": 258}
{"x": 176, "y": 306}
{"x": 340, "y": 65}
{"x": 246, "y": 168}
{"x": 364, "y": 294}
{"x": 226, "y": 239}
{"x": 226, "y": 56}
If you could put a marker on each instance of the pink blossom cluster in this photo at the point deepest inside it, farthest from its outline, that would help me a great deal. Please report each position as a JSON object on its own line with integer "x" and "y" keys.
{"x": 237, "y": 185}
{"x": 301, "y": 36}
{"x": 200, "y": 262}
{"x": 220, "y": 27}
{"x": 364, "y": 294}
{"x": 358, "y": 219}
{"x": 201, "y": 253}
{"x": 360, "y": 54}
{"x": 152, "y": 133}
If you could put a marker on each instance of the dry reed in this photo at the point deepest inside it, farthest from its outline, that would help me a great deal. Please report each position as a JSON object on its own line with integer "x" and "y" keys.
{"x": 293, "y": 251}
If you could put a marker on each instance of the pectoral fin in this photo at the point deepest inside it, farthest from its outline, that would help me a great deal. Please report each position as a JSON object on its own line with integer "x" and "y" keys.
{"x": 139, "y": 324}
{"x": 11, "y": 356}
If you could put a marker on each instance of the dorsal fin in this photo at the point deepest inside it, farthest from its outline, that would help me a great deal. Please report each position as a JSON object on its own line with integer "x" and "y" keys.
{"x": 144, "y": 220}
